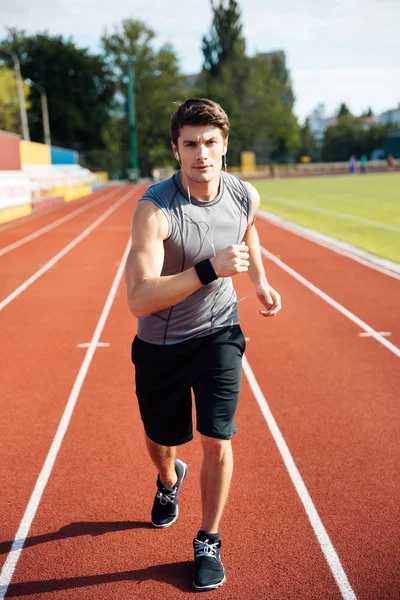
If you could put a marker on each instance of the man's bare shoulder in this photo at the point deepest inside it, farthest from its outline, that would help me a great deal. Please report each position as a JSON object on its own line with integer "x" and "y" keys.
{"x": 148, "y": 218}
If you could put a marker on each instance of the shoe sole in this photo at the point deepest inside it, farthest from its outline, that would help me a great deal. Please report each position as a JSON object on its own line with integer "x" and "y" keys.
{"x": 164, "y": 526}
{"x": 206, "y": 588}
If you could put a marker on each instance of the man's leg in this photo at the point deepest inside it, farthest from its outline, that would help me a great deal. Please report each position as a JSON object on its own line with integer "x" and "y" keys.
{"x": 163, "y": 458}
{"x": 215, "y": 478}
{"x": 171, "y": 473}
{"x": 216, "y": 392}
{"x": 216, "y": 473}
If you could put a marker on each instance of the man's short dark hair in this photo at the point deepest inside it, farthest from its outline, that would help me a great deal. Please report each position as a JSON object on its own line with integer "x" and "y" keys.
{"x": 199, "y": 111}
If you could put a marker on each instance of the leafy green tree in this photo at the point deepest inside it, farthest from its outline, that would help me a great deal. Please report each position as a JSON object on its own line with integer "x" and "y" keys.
{"x": 342, "y": 140}
{"x": 79, "y": 89}
{"x": 9, "y": 105}
{"x": 158, "y": 84}
{"x": 350, "y": 136}
{"x": 255, "y": 92}
{"x": 225, "y": 41}
{"x": 368, "y": 113}
{"x": 268, "y": 110}
{"x": 224, "y": 74}
{"x": 308, "y": 144}
{"x": 343, "y": 111}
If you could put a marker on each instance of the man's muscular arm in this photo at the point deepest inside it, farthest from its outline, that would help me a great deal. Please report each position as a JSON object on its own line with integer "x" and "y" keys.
{"x": 266, "y": 294}
{"x": 147, "y": 290}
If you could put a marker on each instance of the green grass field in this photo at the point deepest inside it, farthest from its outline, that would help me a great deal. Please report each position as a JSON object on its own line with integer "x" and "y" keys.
{"x": 363, "y": 210}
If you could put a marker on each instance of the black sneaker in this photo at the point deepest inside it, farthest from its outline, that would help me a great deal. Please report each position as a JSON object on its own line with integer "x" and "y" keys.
{"x": 165, "y": 508}
{"x": 208, "y": 568}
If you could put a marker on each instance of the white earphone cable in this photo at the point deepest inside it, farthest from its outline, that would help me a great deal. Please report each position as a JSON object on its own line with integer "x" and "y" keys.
{"x": 212, "y": 231}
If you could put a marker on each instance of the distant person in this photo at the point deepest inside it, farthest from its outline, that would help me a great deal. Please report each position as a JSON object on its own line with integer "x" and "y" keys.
{"x": 352, "y": 164}
{"x": 191, "y": 234}
{"x": 272, "y": 170}
{"x": 363, "y": 164}
{"x": 390, "y": 161}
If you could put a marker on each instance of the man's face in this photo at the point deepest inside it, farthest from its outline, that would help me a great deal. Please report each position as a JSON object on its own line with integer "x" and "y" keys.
{"x": 201, "y": 148}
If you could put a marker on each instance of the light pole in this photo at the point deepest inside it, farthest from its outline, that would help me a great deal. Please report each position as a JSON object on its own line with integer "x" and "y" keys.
{"x": 45, "y": 110}
{"x": 21, "y": 98}
{"x": 132, "y": 120}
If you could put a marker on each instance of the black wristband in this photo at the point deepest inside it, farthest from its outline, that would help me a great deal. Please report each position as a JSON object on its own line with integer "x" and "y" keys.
{"x": 205, "y": 271}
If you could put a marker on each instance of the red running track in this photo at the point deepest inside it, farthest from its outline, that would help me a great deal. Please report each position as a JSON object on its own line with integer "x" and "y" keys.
{"x": 313, "y": 510}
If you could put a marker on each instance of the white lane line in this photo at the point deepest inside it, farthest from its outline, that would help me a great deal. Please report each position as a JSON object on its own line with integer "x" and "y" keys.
{"x": 372, "y": 261}
{"x": 339, "y": 307}
{"x": 384, "y": 333}
{"x": 60, "y": 221}
{"x": 327, "y": 548}
{"x": 326, "y": 211}
{"x": 34, "y": 501}
{"x": 65, "y": 250}
{"x": 99, "y": 345}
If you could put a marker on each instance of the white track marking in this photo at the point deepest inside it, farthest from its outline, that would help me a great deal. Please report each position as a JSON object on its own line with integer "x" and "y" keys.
{"x": 34, "y": 501}
{"x": 60, "y": 221}
{"x": 384, "y": 333}
{"x": 382, "y": 265}
{"x": 99, "y": 345}
{"x": 326, "y": 211}
{"x": 339, "y": 307}
{"x": 327, "y": 548}
{"x": 65, "y": 250}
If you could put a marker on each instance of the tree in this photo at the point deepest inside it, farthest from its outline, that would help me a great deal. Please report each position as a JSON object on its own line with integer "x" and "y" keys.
{"x": 343, "y": 111}
{"x": 9, "y": 105}
{"x": 223, "y": 77}
{"x": 79, "y": 89}
{"x": 268, "y": 109}
{"x": 225, "y": 41}
{"x": 158, "y": 85}
{"x": 308, "y": 144}
{"x": 255, "y": 92}
{"x": 368, "y": 113}
{"x": 349, "y": 137}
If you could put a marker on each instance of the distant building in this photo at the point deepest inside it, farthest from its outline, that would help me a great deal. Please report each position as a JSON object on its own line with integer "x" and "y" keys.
{"x": 318, "y": 122}
{"x": 369, "y": 122}
{"x": 391, "y": 116}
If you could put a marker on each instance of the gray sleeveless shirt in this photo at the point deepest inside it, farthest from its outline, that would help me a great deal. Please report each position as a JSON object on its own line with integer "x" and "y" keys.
{"x": 197, "y": 230}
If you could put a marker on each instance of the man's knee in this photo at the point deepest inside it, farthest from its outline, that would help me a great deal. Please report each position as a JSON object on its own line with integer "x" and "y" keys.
{"x": 214, "y": 448}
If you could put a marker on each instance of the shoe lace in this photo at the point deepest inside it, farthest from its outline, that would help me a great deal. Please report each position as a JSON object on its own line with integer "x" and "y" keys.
{"x": 205, "y": 548}
{"x": 165, "y": 498}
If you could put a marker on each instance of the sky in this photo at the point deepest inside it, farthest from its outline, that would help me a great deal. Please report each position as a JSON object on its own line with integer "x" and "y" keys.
{"x": 337, "y": 50}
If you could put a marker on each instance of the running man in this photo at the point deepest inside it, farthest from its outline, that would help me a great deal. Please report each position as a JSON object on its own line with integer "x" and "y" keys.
{"x": 190, "y": 235}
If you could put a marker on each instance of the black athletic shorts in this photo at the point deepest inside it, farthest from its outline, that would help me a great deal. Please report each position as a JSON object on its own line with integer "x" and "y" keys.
{"x": 165, "y": 375}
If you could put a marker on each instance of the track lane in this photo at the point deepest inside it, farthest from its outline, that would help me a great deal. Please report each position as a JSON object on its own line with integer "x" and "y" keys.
{"x": 42, "y": 328}
{"x": 335, "y": 398}
{"x": 56, "y": 221}
{"x": 267, "y": 567}
{"x": 17, "y": 267}
{"x": 14, "y": 230}
{"x": 97, "y": 503}
{"x": 371, "y": 295}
